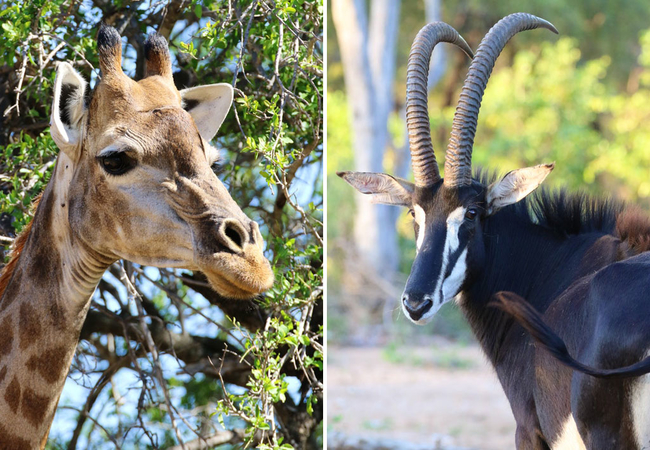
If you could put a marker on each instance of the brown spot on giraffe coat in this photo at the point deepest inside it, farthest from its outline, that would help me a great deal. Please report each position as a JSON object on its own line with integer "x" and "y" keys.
{"x": 29, "y": 326}
{"x": 12, "y": 395}
{"x": 6, "y": 336}
{"x": 50, "y": 363}
{"x": 34, "y": 407}
{"x": 49, "y": 260}
{"x": 11, "y": 441}
{"x": 57, "y": 316}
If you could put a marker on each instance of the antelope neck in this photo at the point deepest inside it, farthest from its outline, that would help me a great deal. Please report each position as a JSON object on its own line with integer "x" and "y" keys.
{"x": 530, "y": 260}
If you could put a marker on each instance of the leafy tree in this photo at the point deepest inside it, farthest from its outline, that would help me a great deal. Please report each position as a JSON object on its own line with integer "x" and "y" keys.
{"x": 163, "y": 360}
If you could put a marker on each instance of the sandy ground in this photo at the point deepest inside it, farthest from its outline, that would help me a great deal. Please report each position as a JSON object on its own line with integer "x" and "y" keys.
{"x": 440, "y": 396}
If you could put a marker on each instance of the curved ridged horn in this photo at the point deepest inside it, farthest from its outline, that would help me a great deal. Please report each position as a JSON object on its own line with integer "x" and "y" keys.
{"x": 156, "y": 54}
{"x": 458, "y": 161}
{"x": 109, "y": 48}
{"x": 423, "y": 159}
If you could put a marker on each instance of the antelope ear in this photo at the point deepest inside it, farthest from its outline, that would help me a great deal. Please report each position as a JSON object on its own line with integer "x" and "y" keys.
{"x": 515, "y": 186}
{"x": 208, "y": 105}
{"x": 68, "y": 110}
{"x": 381, "y": 187}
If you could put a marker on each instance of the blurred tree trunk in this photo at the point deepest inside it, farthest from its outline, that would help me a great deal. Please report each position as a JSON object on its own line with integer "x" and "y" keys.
{"x": 368, "y": 56}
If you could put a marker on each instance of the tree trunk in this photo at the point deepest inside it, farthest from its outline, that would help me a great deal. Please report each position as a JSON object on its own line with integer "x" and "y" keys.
{"x": 369, "y": 68}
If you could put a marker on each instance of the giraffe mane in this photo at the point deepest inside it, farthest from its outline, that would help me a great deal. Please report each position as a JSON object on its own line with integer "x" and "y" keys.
{"x": 18, "y": 246}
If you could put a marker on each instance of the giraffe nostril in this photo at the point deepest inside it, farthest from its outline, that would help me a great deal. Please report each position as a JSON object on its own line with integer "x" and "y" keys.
{"x": 234, "y": 235}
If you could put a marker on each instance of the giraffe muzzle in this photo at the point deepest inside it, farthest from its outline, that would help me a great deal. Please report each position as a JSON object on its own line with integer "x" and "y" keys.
{"x": 237, "y": 267}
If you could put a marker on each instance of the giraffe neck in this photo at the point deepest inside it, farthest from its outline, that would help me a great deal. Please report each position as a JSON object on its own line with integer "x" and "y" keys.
{"x": 42, "y": 311}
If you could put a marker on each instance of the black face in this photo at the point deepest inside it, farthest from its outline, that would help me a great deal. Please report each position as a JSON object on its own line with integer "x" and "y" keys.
{"x": 449, "y": 236}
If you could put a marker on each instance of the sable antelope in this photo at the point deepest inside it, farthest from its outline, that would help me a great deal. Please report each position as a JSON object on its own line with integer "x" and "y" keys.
{"x": 132, "y": 181}
{"x": 570, "y": 256}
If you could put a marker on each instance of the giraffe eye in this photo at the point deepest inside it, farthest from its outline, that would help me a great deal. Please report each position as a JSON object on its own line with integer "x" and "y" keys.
{"x": 117, "y": 163}
{"x": 412, "y": 213}
{"x": 217, "y": 168}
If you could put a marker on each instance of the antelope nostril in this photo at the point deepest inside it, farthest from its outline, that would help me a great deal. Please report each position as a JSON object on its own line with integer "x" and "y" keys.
{"x": 234, "y": 235}
{"x": 416, "y": 305}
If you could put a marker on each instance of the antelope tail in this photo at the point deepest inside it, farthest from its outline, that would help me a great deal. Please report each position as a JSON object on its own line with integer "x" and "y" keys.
{"x": 529, "y": 318}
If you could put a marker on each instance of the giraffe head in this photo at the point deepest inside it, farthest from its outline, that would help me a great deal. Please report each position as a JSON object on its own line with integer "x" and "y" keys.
{"x": 135, "y": 171}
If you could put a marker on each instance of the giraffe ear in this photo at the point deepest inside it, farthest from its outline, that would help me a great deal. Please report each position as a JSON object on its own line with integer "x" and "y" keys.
{"x": 209, "y": 106}
{"x": 68, "y": 109}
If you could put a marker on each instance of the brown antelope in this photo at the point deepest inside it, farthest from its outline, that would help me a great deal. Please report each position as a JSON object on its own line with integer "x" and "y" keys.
{"x": 133, "y": 181}
{"x": 577, "y": 260}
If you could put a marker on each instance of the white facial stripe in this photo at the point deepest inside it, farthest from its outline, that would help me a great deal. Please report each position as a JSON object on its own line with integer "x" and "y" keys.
{"x": 452, "y": 283}
{"x": 420, "y": 219}
{"x": 453, "y": 226}
{"x": 447, "y": 288}
{"x": 451, "y": 245}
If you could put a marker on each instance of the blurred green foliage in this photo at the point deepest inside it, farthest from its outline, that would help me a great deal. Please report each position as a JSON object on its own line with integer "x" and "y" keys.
{"x": 547, "y": 107}
{"x": 28, "y": 168}
{"x": 599, "y": 27}
{"x": 339, "y": 157}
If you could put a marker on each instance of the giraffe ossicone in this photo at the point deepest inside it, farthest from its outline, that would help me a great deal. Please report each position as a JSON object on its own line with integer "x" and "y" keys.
{"x": 132, "y": 181}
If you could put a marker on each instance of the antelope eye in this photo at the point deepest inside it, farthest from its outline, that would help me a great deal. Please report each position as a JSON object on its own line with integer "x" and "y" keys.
{"x": 471, "y": 213}
{"x": 412, "y": 213}
{"x": 116, "y": 163}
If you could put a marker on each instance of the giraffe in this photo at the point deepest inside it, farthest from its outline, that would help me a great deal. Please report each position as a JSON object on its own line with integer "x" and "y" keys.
{"x": 132, "y": 181}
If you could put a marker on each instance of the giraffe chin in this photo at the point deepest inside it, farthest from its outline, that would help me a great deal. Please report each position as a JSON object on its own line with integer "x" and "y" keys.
{"x": 230, "y": 288}
{"x": 240, "y": 277}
